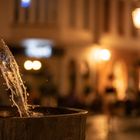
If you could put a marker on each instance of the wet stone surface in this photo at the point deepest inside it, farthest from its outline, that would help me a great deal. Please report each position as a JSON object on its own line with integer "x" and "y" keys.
{"x": 99, "y": 127}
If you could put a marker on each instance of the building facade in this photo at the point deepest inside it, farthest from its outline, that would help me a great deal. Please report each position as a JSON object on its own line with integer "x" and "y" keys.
{"x": 80, "y": 27}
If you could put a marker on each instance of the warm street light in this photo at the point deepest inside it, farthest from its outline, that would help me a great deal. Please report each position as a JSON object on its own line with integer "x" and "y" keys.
{"x": 35, "y": 65}
{"x": 101, "y": 54}
{"x": 105, "y": 54}
{"x": 28, "y": 65}
{"x": 136, "y": 17}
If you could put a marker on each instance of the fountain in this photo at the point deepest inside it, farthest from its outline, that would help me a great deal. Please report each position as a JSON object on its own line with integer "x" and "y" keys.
{"x": 26, "y": 122}
{"x": 10, "y": 72}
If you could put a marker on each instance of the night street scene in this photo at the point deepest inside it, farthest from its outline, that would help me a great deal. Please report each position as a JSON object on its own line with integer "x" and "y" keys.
{"x": 69, "y": 69}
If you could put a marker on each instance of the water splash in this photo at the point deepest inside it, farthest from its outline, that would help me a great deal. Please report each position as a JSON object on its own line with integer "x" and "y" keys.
{"x": 11, "y": 74}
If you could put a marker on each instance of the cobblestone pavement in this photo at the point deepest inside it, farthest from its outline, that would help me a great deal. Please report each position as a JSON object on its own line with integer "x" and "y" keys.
{"x": 100, "y": 128}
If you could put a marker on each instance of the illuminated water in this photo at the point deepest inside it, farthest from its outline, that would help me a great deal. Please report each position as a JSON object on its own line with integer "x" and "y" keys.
{"x": 11, "y": 74}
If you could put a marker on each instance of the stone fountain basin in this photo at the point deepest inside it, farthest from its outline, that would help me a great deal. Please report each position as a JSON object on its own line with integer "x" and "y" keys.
{"x": 55, "y": 124}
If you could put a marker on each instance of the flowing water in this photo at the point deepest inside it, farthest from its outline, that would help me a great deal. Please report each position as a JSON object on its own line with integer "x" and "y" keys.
{"x": 11, "y": 74}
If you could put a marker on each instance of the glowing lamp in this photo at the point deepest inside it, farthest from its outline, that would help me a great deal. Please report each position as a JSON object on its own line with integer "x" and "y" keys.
{"x": 28, "y": 65}
{"x": 105, "y": 54}
{"x": 101, "y": 54}
{"x": 37, "y": 65}
{"x": 32, "y": 65}
{"x": 136, "y": 17}
{"x": 96, "y": 54}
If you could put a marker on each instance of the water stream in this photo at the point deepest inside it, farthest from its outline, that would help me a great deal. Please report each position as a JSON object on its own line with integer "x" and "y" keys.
{"x": 11, "y": 74}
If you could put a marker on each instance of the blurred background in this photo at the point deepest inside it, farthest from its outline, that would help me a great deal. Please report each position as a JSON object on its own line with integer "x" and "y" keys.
{"x": 77, "y": 53}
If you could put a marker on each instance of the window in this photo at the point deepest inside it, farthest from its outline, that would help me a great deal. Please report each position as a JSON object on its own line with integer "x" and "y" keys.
{"x": 47, "y": 2}
{"x": 54, "y": 11}
{"x": 51, "y": 11}
{"x": 16, "y": 11}
{"x": 86, "y": 13}
{"x": 106, "y": 15}
{"x": 37, "y": 10}
{"x": 72, "y": 13}
{"x": 26, "y": 15}
{"x": 120, "y": 16}
{"x": 17, "y": 5}
{"x": 25, "y": 3}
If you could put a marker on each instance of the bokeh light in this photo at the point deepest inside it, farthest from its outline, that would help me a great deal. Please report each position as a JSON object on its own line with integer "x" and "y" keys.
{"x": 28, "y": 65}
{"x": 37, "y": 65}
{"x": 136, "y": 17}
{"x": 25, "y": 3}
{"x": 105, "y": 54}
